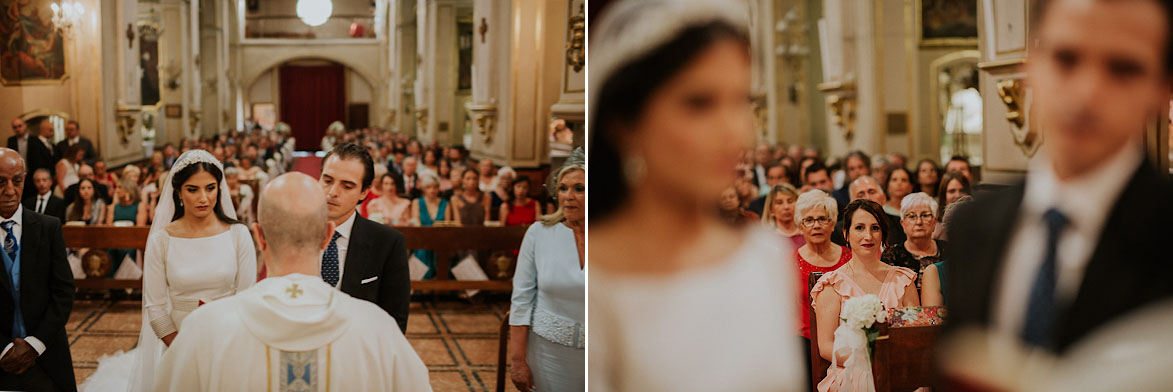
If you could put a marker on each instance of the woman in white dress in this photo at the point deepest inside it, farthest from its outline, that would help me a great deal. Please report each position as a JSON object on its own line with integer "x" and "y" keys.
{"x": 679, "y": 301}
{"x": 548, "y": 316}
{"x": 196, "y": 253}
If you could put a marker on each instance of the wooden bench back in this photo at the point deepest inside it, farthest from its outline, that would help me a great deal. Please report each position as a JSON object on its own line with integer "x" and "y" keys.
{"x": 106, "y": 237}
{"x": 448, "y": 241}
{"x": 445, "y": 241}
{"x": 902, "y": 357}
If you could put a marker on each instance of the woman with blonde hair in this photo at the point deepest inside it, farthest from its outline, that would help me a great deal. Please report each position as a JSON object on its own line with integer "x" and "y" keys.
{"x": 779, "y": 213}
{"x": 548, "y": 314}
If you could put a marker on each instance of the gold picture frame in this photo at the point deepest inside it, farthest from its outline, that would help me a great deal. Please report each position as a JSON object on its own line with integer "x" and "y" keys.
{"x": 952, "y": 23}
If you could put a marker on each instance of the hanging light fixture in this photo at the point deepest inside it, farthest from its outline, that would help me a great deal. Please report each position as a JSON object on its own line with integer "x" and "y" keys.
{"x": 314, "y": 12}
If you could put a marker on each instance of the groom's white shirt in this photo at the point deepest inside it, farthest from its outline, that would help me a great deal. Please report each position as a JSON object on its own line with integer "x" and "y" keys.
{"x": 292, "y": 331}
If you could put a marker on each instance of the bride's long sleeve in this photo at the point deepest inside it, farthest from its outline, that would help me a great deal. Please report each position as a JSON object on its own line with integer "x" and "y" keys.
{"x": 155, "y": 290}
{"x": 246, "y": 258}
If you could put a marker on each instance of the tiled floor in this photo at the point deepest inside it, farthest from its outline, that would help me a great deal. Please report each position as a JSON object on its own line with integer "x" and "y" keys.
{"x": 456, "y": 339}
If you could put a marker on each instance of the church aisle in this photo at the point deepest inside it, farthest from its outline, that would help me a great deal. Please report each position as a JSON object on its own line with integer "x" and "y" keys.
{"x": 457, "y": 340}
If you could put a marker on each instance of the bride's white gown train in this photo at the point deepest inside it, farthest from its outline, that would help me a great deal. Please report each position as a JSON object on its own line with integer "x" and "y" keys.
{"x": 178, "y": 274}
{"x": 195, "y": 269}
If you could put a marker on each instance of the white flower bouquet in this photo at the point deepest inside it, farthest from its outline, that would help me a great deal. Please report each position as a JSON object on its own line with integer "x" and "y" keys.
{"x": 863, "y": 311}
{"x": 856, "y": 333}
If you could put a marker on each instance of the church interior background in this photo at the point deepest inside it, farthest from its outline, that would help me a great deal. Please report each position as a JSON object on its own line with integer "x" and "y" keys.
{"x": 497, "y": 77}
{"x": 926, "y": 78}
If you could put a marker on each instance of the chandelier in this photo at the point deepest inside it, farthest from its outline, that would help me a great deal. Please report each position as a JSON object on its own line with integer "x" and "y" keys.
{"x": 66, "y": 14}
{"x": 314, "y": 12}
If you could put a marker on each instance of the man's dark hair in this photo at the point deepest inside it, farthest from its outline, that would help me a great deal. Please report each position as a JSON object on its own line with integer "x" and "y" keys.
{"x": 353, "y": 151}
{"x": 814, "y": 167}
{"x": 960, "y": 159}
{"x": 858, "y": 154}
{"x": 1041, "y": 6}
{"x": 74, "y": 122}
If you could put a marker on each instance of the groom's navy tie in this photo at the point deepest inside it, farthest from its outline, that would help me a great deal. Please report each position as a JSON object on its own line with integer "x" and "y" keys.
{"x": 1040, "y": 311}
{"x": 330, "y": 262}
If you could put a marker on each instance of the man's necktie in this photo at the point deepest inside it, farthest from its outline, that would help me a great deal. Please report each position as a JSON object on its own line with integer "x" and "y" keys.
{"x": 330, "y": 262}
{"x": 1040, "y": 311}
{"x": 40, "y": 204}
{"x": 10, "y": 246}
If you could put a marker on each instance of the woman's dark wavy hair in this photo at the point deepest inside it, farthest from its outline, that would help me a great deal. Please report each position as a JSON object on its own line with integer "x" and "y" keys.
{"x": 916, "y": 186}
{"x": 871, "y": 207}
{"x": 911, "y": 180}
{"x": 623, "y": 98}
{"x": 182, "y": 176}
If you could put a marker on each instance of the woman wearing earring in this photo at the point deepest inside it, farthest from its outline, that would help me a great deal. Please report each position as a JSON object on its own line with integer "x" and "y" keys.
{"x": 865, "y": 226}
{"x": 670, "y": 116}
{"x": 196, "y": 253}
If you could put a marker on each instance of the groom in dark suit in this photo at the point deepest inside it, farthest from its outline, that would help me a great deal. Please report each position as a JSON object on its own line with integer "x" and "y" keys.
{"x": 36, "y": 291}
{"x": 365, "y": 259}
{"x": 1082, "y": 242}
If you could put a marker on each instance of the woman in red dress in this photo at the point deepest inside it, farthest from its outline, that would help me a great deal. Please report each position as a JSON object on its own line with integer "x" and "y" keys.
{"x": 816, "y": 212}
{"x": 521, "y": 210}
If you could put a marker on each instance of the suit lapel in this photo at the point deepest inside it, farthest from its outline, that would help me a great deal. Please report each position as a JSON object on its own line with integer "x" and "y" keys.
{"x": 1003, "y": 217}
{"x": 1107, "y": 282}
{"x": 352, "y": 272}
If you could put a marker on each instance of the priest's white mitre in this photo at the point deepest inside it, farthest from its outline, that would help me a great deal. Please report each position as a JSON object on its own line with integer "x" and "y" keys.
{"x": 291, "y": 333}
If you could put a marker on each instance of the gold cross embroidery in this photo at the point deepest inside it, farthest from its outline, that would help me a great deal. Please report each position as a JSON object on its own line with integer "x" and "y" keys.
{"x": 293, "y": 291}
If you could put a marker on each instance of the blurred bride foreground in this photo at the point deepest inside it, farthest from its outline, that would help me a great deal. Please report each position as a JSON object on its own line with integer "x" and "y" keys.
{"x": 679, "y": 300}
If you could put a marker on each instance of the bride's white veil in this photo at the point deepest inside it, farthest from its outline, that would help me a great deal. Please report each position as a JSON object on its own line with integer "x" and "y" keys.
{"x": 150, "y": 347}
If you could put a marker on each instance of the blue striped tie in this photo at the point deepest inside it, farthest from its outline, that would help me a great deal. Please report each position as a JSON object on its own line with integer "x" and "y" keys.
{"x": 1040, "y": 311}
{"x": 330, "y": 262}
{"x": 10, "y": 245}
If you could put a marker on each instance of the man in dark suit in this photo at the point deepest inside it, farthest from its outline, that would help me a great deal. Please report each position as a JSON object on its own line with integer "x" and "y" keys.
{"x": 856, "y": 164}
{"x": 32, "y": 148}
{"x": 36, "y": 291}
{"x": 775, "y": 175}
{"x": 1080, "y": 243}
{"x": 20, "y": 137}
{"x": 365, "y": 259}
{"x": 411, "y": 178}
{"x": 44, "y": 202}
{"x": 73, "y": 136}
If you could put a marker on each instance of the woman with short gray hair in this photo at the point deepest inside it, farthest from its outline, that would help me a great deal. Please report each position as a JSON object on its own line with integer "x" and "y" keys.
{"x": 815, "y": 212}
{"x": 918, "y": 217}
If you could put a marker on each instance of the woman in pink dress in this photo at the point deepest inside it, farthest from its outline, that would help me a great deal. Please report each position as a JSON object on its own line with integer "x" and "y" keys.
{"x": 390, "y": 209}
{"x": 865, "y": 228}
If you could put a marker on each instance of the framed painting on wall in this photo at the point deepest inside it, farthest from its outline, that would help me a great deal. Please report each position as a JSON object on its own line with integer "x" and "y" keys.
{"x": 173, "y": 111}
{"x": 947, "y": 22}
{"x": 33, "y": 50}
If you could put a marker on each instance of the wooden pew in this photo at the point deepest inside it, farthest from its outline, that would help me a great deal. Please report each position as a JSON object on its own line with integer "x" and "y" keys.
{"x": 445, "y": 241}
{"x": 902, "y": 357}
{"x": 106, "y": 237}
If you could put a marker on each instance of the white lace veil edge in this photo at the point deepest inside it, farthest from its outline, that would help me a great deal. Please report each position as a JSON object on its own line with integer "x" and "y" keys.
{"x": 629, "y": 29}
{"x": 150, "y": 348}
{"x": 166, "y": 208}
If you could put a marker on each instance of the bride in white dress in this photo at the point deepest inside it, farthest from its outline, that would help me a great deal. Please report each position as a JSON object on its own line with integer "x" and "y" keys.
{"x": 679, "y": 300}
{"x": 196, "y": 253}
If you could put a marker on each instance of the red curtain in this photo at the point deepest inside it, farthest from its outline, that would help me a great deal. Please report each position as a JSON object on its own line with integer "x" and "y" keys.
{"x": 312, "y": 97}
